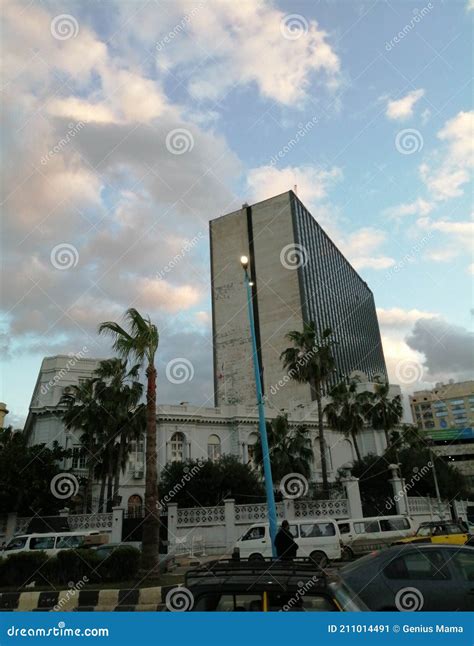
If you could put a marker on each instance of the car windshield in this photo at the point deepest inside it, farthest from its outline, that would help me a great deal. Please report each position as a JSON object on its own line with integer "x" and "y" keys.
{"x": 424, "y": 531}
{"x": 17, "y": 543}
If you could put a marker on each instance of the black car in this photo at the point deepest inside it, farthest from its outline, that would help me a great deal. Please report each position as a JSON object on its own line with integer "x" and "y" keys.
{"x": 414, "y": 577}
{"x": 263, "y": 585}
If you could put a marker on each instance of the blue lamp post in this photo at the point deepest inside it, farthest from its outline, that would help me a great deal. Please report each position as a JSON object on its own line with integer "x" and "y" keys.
{"x": 267, "y": 468}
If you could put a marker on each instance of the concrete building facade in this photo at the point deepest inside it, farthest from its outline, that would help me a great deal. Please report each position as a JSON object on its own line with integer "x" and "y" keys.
{"x": 183, "y": 431}
{"x": 446, "y": 415}
{"x": 298, "y": 275}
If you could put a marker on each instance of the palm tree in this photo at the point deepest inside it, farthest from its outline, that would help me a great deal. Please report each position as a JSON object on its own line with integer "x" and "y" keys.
{"x": 84, "y": 413}
{"x": 140, "y": 341}
{"x": 290, "y": 449}
{"x": 310, "y": 360}
{"x": 121, "y": 394}
{"x": 385, "y": 413}
{"x": 346, "y": 411}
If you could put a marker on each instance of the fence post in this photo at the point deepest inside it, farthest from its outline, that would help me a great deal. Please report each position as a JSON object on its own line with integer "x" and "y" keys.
{"x": 399, "y": 494}
{"x": 117, "y": 522}
{"x": 172, "y": 523}
{"x": 351, "y": 487}
{"x": 229, "y": 515}
{"x": 288, "y": 508}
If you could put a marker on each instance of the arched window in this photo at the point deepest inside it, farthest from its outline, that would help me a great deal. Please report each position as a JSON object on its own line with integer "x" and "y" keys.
{"x": 135, "y": 504}
{"x": 177, "y": 447}
{"x": 251, "y": 442}
{"x": 213, "y": 447}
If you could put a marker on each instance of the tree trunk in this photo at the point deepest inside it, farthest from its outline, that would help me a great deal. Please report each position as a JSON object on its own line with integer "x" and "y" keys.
{"x": 151, "y": 523}
{"x": 118, "y": 468}
{"x": 110, "y": 489}
{"x": 102, "y": 494}
{"x": 356, "y": 446}
{"x": 322, "y": 442}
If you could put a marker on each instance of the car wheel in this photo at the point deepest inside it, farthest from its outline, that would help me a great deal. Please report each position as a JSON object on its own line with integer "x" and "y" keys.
{"x": 256, "y": 557}
{"x": 319, "y": 558}
{"x": 347, "y": 554}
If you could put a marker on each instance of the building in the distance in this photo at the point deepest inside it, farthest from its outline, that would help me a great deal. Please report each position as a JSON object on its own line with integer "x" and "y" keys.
{"x": 446, "y": 415}
{"x": 183, "y": 431}
{"x": 298, "y": 275}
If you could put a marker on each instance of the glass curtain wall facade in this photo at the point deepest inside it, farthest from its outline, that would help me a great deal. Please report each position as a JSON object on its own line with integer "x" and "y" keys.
{"x": 334, "y": 295}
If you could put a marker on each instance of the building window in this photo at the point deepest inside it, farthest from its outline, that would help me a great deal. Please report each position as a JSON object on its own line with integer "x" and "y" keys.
{"x": 177, "y": 447}
{"x": 78, "y": 458}
{"x": 213, "y": 447}
{"x": 135, "y": 505}
{"x": 251, "y": 442}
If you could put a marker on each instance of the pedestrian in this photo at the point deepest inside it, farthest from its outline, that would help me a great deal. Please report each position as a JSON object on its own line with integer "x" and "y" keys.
{"x": 286, "y": 546}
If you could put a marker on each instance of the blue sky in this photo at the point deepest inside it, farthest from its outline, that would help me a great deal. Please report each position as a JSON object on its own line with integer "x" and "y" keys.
{"x": 131, "y": 124}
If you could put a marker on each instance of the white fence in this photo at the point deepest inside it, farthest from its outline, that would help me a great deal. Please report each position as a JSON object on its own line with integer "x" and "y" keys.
{"x": 217, "y": 528}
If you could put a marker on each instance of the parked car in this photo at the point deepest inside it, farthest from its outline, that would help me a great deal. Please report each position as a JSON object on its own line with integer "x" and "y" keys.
{"x": 362, "y": 535}
{"x": 317, "y": 538}
{"x": 439, "y": 531}
{"x": 261, "y": 585}
{"x": 414, "y": 577}
{"x": 51, "y": 543}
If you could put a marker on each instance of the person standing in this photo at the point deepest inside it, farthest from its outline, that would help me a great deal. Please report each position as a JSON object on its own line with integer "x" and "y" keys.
{"x": 285, "y": 544}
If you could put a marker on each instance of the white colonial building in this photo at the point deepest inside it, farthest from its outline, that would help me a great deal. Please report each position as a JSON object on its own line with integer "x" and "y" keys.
{"x": 183, "y": 431}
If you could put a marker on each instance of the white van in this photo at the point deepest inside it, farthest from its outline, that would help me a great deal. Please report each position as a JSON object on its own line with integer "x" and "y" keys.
{"x": 50, "y": 543}
{"x": 317, "y": 538}
{"x": 363, "y": 535}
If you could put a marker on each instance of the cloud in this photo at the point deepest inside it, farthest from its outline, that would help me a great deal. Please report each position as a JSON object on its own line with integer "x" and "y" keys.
{"x": 447, "y": 349}
{"x": 447, "y": 179}
{"x": 402, "y": 109}
{"x": 417, "y": 207}
{"x": 244, "y": 44}
{"x": 313, "y": 182}
{"x": 399, "y": 319}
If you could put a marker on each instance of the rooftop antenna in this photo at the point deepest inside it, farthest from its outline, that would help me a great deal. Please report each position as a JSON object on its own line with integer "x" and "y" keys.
{"x": 295, "y": 189}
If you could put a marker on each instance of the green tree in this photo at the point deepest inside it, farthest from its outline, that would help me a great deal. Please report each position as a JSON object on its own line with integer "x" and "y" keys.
{"x": 120, "y": 393}
{"x": 85, "y": 414}
{"x": 26, "y": 473}
{"x": 310, "y": 360}
{"x": 346, "y": 411}
{"x": 140, "y": 341}
{"x": 207, "y": 483}
{"x": 385, "y": 413}
{"x": 290, "y": 449}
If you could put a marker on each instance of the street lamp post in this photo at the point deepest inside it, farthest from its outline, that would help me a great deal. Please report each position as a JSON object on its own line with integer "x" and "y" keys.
{"x": 435, "y": 475}
{"x": 267, "y": 467}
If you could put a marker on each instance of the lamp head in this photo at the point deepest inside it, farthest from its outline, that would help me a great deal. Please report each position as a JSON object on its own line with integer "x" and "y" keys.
{"x": 244, "y": 261}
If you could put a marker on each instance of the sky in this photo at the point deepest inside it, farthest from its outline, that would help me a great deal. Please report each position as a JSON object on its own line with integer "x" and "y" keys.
{"x": 129, "y": 125}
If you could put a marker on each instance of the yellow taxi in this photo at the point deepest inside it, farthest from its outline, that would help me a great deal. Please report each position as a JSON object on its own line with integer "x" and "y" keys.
{"x": 438, "y": 531}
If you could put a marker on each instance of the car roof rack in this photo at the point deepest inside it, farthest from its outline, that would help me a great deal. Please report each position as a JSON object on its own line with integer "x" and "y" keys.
{"x": 222, "y": 568}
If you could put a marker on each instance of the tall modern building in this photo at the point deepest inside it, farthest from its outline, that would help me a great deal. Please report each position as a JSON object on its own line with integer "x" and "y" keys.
{"x": 298, "y": 275}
